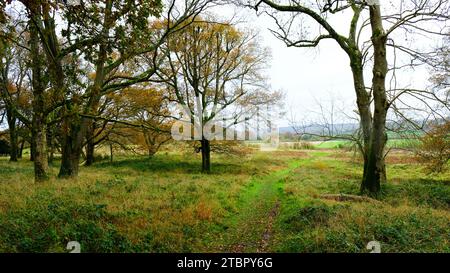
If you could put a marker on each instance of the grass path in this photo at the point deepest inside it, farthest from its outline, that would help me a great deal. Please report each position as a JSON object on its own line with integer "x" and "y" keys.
{"x": 251, "y": 229}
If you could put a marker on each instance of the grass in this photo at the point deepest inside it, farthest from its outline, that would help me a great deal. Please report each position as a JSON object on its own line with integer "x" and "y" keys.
{"x": 162, "y": 204}
{"x": 392, "y": 143}
{"x": 263, "y": 202}
{"x": 414, "y": 214}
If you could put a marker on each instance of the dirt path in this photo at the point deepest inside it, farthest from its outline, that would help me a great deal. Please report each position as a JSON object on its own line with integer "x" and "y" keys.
{"x": 267, "y": 236}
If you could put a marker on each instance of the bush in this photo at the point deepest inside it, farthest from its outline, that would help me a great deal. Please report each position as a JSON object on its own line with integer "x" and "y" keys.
{"x": 303, "y": 146}
{"x": 434, "y": 149}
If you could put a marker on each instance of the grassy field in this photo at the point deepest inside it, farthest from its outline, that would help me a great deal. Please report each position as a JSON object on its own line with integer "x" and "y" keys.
{"x": 264, "y": 202}
{"x": 392, "y": 143}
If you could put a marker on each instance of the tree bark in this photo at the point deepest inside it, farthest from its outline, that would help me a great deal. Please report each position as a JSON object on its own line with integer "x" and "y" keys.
{"x": 40, "y": 152}
{"x": 90, "y": 145}
{"x": 206, "y": 155}
{"x": 375, "y": 171}
{"x": 71, "y": 147}
{"x": 363, "y": 103}
{"x": 90, "y": 150}
{"x": 39, "y": 124}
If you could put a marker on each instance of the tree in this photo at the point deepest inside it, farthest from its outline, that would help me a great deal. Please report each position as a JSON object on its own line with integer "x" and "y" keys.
{"x": 96, "y": 38}
{"x": 212, "y": 68}
{"x": 39, "y": 123}
{"x": 375, "y": 170}
{"x": 328, "y": 119}
{"x": 434, "y": 150}
{"x": 12, "y": 76}
{"x": 149, "y": 107}
{"x": 441, "y": 67}
{"x": 371, "y": 123}
{"x": 137, "y": 117}
{"x": 15, "y": 90}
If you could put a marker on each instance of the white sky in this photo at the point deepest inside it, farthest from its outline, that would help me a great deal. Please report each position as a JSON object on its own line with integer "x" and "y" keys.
{"x": 308, "y": 74}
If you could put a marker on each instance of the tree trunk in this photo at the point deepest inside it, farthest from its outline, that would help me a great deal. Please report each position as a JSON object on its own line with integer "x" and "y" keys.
{"x": 152, "y": 151}
{"x": 69, "y": 161}
{"x": 90, "y": 145}
{"x": 375, "y": 171}
{"x": 12, "y": 136}
{"x": 71, "y": 148}
{"x": 40, "y": 152}
{"x": 32, "y": 146}
{"x": 363, "y": 103}
{"x": 22, "y": 143}
{"x": 39, "y": 134}
{"x": 90, "y": 150}
{"x": 152, "y": 143}
{"x": 206, "y": 156}
{"x": 111, "y": 152}
{"x": 51, "y": 146}
{"x": 75, "y": 127}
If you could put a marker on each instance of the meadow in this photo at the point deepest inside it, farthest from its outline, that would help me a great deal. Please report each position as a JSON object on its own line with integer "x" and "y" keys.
{"x": 277, "y": 201}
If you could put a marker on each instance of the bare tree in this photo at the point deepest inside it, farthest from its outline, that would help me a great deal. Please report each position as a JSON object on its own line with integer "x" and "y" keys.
{"x": 409, "y": 14}
{"x": 329, "y": 119}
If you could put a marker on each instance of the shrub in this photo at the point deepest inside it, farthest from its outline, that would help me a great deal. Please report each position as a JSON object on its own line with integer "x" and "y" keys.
{"x": 303, "y": 146}
{"x": 434, "y": 150}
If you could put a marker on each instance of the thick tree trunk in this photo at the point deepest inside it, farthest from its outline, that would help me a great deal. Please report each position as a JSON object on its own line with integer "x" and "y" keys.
{"x": 40, "y": 152}
{"x": 206, "y": 156}
{"x": 69, "y": 161}
{"x": 90, "y": 151}
{"x": 39, "y": 134}
{"x": 71, "y": 148}
{"x": 75, "y": 127}
{"x": 375, "y": 171}
{"x": 152, "y": 151}
{"x": 12, "y": 136}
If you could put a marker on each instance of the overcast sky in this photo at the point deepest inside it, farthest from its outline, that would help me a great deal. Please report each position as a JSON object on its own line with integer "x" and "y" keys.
{"x": 306, "y": 75}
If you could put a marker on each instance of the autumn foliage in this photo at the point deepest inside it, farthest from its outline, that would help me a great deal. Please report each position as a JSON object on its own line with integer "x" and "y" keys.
{"x": 435, "y": 147}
